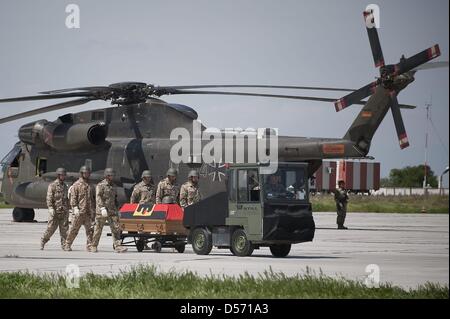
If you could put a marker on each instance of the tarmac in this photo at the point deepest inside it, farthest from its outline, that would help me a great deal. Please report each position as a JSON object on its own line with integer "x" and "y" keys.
{"x": 403, "y": 249}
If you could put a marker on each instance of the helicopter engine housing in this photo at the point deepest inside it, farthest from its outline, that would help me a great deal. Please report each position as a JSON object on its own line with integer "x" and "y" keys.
{"x": 63, "y": 136}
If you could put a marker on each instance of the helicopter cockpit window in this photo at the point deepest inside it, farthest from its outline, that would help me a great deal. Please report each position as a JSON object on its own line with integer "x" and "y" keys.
{"x": 12, "y": 158}
{"x": 248, "y": 186}
{"x": 286, "y": 184}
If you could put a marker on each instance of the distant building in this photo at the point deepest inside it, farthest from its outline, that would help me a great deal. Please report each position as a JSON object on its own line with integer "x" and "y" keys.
{"x": 359, "y": 176}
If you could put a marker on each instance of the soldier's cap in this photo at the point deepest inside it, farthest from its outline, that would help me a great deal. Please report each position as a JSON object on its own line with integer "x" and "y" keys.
{"x": 172, "y": 172}
{"x": 109, "y": 172}
{"x": 146, "y": 173}
{"x": 193, "y": 173}
{"x": 85, "y": 169}
{"x": 61, "y": 171}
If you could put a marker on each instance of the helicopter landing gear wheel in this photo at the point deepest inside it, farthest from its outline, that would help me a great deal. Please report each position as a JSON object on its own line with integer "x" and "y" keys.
{"x": 23, "y": 214}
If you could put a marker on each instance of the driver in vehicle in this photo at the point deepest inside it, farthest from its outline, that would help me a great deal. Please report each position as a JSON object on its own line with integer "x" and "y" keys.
{"x": 274, "y": 186}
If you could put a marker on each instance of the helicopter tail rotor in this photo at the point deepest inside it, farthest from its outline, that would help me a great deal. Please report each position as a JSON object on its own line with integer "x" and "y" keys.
{"x": 393, "y": 78}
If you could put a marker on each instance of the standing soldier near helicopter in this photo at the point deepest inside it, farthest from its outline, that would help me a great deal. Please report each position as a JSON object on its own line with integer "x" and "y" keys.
{"x": 82, "y": 201}
{"x": 58, "y": 209}
{"x": 144, "y": 192}
{"x": 341, "y": 199}
{"x": 190, "y": 192}
{"x": 106, "y": 210}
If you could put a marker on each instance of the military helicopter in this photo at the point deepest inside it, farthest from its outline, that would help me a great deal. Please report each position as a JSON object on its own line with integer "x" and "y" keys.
{"x": 135, "y": 134}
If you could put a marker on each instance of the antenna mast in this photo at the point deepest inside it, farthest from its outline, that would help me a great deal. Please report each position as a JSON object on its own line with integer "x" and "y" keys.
{"x": 428, "y": 108}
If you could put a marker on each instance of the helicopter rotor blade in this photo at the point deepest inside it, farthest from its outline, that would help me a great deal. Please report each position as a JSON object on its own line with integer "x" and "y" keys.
{"x": 295, "y": 97}
{"x": 374, "y": 40}
{"x": 312, "y": 88}
{"x": 416, "y": 60}
{"x": 85, "y": 88}
{"x": 47, "y": 97}
{"x": 398, "y": 121}
{"x": 355, "y": 96}
{"x": 378, "y": 59}
{"x": 49, "y": 108}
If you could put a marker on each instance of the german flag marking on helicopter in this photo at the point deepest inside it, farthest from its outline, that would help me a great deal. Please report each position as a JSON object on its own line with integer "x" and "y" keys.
{"x": 366, "y": 114}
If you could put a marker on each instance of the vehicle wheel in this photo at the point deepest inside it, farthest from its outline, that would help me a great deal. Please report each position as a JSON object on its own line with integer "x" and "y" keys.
{"x": 201, "y": 241}
{"x": 240, "y": 245}
{"x": 231, "y": 249}
{"x": 180, "y": 247}
{"x": 140, "y": 244}
{"x": 23, "y": 214}
{"x": 157, "y": 246}
{"x": 281, "y": 250}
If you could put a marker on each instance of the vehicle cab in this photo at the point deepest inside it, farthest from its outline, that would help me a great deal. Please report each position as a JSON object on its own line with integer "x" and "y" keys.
{"x": 259, "y": 209}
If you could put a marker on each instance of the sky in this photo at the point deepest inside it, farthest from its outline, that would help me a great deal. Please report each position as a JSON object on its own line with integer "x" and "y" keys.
{"x": 185, "y": 42}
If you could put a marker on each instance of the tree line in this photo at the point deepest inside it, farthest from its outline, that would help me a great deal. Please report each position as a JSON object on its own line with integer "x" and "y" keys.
{"x": 410, "y": 176}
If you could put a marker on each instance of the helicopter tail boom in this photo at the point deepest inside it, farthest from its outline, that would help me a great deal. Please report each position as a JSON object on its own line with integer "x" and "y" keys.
{"x": 368, "y": 120}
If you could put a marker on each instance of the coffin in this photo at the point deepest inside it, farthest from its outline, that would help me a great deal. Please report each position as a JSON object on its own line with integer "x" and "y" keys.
{"x": 160, "y": 219}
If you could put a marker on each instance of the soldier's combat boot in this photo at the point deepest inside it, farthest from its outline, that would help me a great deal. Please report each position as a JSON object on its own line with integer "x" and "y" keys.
{"x": 93, "y": 249}
{"x": 67, "y": 247}
{"x": 342, "y": 227}
{"x": 42, "y": 244}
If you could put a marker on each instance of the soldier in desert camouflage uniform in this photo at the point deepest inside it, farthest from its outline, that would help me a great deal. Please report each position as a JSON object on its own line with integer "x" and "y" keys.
{"x": 144, "y": 192}
{"x": 58, "y": 209}
{"x": 167, "y": 189}
{"x": 190, "y": 192}
{"x": 106, "y": 210}
{"x": 82, "y": 201}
